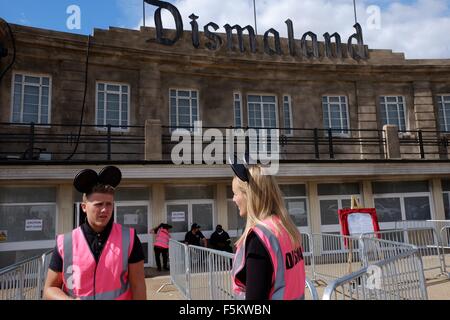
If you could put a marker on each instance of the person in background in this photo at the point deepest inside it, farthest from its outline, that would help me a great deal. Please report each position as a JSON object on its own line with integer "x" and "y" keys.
{"x": 268, "y": 263}
{"x": 220, "y": 240}
{"x": 99, "y": 260}
{"x": 161, "y": 245}
{"x": 195, "y": 237}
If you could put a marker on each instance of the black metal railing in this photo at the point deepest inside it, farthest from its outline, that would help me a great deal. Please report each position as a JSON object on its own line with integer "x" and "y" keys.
{"x": 424, "y": 144}
{"x": 301, "y": 144}
{"x": 62, "y": 142}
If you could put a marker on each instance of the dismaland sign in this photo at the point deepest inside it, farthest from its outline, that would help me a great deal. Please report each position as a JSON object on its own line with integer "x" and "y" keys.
{"x": 309, "y": 44}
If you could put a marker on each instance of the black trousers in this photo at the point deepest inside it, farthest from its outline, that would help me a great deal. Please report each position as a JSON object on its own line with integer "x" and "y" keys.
{"x": 165, "y": 256}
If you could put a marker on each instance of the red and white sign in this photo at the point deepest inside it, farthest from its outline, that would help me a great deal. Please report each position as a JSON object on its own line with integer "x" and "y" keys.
{"x": 358, "y": 221}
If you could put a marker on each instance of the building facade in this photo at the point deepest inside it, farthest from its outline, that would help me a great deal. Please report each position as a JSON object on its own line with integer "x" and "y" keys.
{"x": 375, "y": 127}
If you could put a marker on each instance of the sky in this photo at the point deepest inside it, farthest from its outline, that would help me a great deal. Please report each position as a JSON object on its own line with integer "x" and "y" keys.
{"x": 418, "y": 28}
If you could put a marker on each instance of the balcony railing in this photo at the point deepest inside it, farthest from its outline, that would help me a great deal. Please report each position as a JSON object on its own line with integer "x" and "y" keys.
{"x": 60, "y": 142}
{"x": 153, "y": 141}
{"x": 300, "y": 144}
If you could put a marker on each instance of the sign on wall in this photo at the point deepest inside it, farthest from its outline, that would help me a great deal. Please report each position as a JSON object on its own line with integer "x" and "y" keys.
{"x": 33, "y": 225}
{"x": 178, "y": 216}
{"x": 130, "y": 219}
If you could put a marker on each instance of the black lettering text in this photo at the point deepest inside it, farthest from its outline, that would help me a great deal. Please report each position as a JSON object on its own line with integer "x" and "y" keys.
{"x": 158, "y": 22}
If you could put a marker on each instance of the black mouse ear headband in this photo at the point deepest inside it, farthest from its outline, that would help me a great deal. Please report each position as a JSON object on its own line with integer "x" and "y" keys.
{"x": 240, "y": 168}
{"x": 87, "y": 179}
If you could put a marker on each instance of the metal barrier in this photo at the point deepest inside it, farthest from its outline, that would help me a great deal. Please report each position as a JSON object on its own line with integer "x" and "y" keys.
{"x": 397, "y": 275}
{"x": 307, "y": 247}
{"x": 411, "y": 224}
{"x": 440, "y": 247}
{"x": 427, "y": 240}
{"x": 179, "y": 272}
{"x": 445, "y": 238}
{"x": 210, "y": 274}
{"x": 25, "y": 280}
{"x": 205, "y": 274}
{"x": 312, "y": 289}
{"x": 333, "y": 256}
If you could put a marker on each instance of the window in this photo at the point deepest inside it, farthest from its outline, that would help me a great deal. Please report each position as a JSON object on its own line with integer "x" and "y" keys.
{"x": 405, "y": 200}
{"x": 188, "y": 204}
{"x": 392, "y": 111}
{"x": 262, "y": 113}
{"x": 335, "y": 114}
{"x": 444, "y": 112}
{"x": 183, "y": 108}
{"x": 446, "y": 196}
{"x": 287, "y": 115}
{"x": 191, "y": 192}
{"x": 113, "y": 103}
{"x": 27, "y": 222}
{"x": 134, "y": 214}
{"x": 296, "y": 203}
{"x": 237, "y": 110}
{"x": 334, "y": 196}
{"x": 31, "y": 99}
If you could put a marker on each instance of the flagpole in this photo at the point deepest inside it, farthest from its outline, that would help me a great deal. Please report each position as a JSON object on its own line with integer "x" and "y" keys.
{"x": 354, "y": 8}
{"x": 143, "y": 10}
{"x": 254, "y": 15}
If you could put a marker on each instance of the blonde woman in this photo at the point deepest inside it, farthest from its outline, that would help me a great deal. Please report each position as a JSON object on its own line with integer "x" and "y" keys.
{"x": 269, "y": 262}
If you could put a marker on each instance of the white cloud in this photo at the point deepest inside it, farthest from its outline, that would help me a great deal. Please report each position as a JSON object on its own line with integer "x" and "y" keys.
{"x": 417, "y": 28}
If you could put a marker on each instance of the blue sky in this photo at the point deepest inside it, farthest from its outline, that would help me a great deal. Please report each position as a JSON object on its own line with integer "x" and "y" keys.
{"x": 51, "y": 14}
{"x": 419, "y": 28}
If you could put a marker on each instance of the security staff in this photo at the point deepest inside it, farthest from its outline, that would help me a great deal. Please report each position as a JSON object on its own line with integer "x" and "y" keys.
{"x": 161, "y": 245}
{"x": 220, "y": 240}
{"x": 268, "y": 263}
{"x": 195, "y": 237}
{"x": 100, "y": 260}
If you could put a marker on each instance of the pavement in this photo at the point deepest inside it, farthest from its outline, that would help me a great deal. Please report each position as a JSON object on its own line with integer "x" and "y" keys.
{"x": 438, "y": 287}
{"x": 154, "y": 280}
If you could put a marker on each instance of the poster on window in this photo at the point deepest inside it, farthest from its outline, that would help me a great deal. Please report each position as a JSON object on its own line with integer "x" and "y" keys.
{"x": 3, "y": 235}
{"x": 296, "y": 207}
{"x": 33, "y": 225}
{"x": 130, "y": 219}
{"x": 359, "y": 221}
{"x": 178, "y": 216}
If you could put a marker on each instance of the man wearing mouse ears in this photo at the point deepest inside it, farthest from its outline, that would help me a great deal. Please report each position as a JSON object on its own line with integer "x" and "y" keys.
{"x": 99, "y": 260}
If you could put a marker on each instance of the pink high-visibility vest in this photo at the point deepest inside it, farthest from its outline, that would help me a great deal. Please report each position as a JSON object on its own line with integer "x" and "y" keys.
{"x": 288, "y": 279}
{"x": 162, "y": 238}
{"x": 88, "y": 280}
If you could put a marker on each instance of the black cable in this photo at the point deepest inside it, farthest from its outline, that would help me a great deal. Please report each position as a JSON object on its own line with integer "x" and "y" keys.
{"x": 84, "y": 99}
{"x": 13, "y": 40}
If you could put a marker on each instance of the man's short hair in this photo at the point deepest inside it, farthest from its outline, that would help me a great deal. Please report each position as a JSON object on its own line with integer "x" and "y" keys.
{"x": 100, "y": 188}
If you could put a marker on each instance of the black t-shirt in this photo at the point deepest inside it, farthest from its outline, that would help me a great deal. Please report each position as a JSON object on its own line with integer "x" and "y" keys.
{"x": 96, "y": 243}
{"x": 258, "y": 270}
{"x": 220, "y": 241}
{"x": 193, "y": 239}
